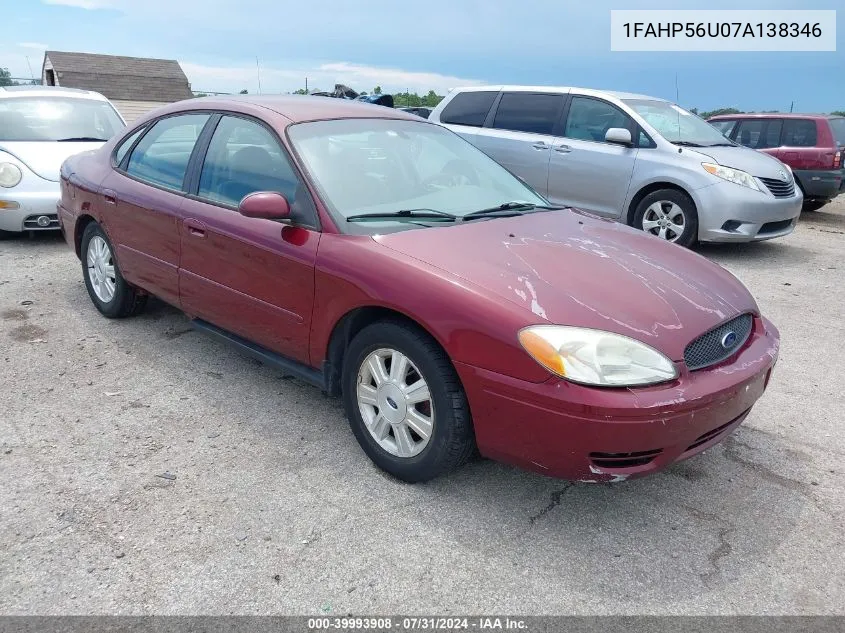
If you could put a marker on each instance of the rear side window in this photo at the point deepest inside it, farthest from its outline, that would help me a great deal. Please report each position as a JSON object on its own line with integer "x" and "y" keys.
{"x": 161, "y": 158}
{"x": 759, "y": 133}
{"x": 525, "y": 112}
{"x": 799, "y": 133}
{"x": 244, "y": 157}
{"x": 838, "y": 127}
{"x": 125, "y": 145}
{"x": 468, "y": 108}
{"x": 590, "y": 119}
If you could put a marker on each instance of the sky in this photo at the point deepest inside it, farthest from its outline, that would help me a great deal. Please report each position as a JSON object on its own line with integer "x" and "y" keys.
{"x": 435, "y": 44}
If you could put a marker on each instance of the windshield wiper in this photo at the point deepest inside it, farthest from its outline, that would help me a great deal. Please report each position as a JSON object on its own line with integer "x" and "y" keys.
{"x": 81, "y": 139}
{"x": 687, "y": 144}
{"x": 721, "y": 145}
{"x": 414, "y": 214}
{"x": 508, "y": 209}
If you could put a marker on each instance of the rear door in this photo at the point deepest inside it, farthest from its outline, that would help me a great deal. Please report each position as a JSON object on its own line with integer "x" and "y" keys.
{"x": 519, "y": 135}
{"x": 142, "y": 197}
{"x": 250, "y": 276}
{"x": 799, "y": 151}
{"x": 585, "y": 171}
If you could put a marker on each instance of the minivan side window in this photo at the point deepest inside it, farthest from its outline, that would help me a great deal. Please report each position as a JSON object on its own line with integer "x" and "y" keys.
{"x": 589, "y": 119}
{"x": 125, "y": 145}
{"x": 527, "y": 112}
{"x": 161, "y": 158}
{"x": 242, "y": 158}
{"x": 799, "y": 133}
{"x": 468, "y": 108}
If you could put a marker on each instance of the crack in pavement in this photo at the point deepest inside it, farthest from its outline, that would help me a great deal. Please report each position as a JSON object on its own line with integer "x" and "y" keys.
{"x": 554, "y": 502}
{"x": 722, "y": 550}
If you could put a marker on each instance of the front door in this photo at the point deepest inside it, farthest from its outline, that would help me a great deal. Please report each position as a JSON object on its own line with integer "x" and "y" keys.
{"x": 252, "y": 277}
{"x": 585, "y": 171}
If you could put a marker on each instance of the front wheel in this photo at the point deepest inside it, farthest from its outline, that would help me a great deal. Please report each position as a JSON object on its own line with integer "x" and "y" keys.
{"x": 670, "y": 215}
{"x": 405, "y": 403}
{"x": 109, "y": 291}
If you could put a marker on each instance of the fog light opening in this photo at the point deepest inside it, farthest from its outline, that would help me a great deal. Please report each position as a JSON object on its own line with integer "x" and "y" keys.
{"x": 731, "y": 225}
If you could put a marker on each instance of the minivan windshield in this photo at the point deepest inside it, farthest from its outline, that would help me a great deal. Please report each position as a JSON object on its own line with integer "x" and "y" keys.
{"x": 372, "y": 167}
{"x": 57, "y": 119}
{"x": 677, "y": 125}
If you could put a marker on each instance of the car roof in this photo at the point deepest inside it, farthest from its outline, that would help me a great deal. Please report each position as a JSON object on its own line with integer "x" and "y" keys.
{"x": 771, "y": 115}
{"x": 561, "y": 89}
{"x": 300, "y": 108}
{"x": 11, "y": 92}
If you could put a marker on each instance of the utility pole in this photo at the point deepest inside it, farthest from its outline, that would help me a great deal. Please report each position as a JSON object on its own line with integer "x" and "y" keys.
{"x": 791, "y": 106}
{"x": 31, "y": 74}
{"x": 306, "y": 85}
{"x": 258, "y": 70}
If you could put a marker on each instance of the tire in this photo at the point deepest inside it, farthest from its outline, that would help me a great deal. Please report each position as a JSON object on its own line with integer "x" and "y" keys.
{"x": 451, "y": 440}
{"x": 125, "y": 300}
{"x": 659, "y": 206}
{"x": 813, "y": 205}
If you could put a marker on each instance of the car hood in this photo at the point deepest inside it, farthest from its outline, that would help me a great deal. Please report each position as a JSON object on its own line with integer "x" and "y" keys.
{"x": 570, "y": 268}
{"x": 748, "y": 160}
{"x": 45, "y": 158}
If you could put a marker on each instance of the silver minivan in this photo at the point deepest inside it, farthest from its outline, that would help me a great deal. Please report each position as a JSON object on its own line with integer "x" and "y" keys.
{"x": 640, "y": 160}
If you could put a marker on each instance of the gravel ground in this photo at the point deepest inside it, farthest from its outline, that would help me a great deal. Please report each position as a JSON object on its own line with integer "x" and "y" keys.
{"x": 148, "y": 469}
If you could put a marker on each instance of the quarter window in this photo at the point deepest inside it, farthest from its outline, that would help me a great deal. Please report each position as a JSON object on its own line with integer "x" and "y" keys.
{"x": 590, "y": 119}
{"x": 799, "y": 133}
{"x": 162, "y": 156}
{"x": 124, "y": 147}
{"x": 468, "y": 108}
{"x": 244, "y": 157}
{"x": 526, "y": 112}
{"x": 838, "y": 128}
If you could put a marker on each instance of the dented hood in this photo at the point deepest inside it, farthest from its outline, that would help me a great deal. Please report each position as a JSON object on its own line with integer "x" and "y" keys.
{"x": 45, "y": 158}
{"x": 569, "y": 268}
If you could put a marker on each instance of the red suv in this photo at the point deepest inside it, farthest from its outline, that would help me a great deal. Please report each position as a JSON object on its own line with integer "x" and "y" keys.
{"x": 813, "y": 145}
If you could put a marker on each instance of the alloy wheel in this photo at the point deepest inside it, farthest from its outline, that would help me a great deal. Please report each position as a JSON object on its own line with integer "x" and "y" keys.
{"x": 101, "y": 269}
{"x": 665, "y": 219}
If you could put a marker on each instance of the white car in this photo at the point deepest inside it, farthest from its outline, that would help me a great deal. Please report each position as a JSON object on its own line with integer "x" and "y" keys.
{"x": 40, "y": 126}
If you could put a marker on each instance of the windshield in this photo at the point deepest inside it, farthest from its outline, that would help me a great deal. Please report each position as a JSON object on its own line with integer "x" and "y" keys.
{"x": 368, "y": 166}
{"x": 57, "y": 119}
{"x": 677, "y": 125}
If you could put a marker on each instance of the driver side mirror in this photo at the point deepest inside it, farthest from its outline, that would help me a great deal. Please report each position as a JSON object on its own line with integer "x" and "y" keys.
{"x": 267, "y": 205}
{"x": 619, "y": 136}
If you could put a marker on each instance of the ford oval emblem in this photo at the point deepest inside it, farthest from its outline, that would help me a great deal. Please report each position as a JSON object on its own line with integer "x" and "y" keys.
{"x": 729, "y": 340}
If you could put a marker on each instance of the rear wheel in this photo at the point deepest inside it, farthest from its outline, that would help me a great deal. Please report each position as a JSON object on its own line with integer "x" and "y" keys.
{"x": 814, "y": 205}
{"x": 109, "y": 291}
{"x": 668, "y": 214}
{"x": 405, "y": 403}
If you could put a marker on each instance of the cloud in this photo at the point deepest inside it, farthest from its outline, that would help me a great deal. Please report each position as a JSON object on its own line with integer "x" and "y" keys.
{"x": 320, "y": 75}
{"x": 83, "y": 4}
{"x": 35, "y": 45}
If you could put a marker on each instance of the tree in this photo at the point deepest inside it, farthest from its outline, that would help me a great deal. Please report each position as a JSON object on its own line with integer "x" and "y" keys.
{"x": 838, "y": 113}
{"x": 6, "y": 77}
{"x": 707, "y": 115}
{"x": 244, "y": 91}
{"x": 377, "y": 90}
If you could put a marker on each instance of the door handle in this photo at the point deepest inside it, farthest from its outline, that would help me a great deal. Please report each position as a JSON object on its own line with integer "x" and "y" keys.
{"x": 109, "y": 196}
{"x": 563, "y": 149}
{"x": 540, "y": 145}
{"x": 195, "y": 228}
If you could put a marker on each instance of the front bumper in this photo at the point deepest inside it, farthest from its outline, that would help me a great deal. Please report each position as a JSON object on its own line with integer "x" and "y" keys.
{"x": 731, "y": 213}
{"x": 32, "y": 206}
{"x": 821, "y": 184}
{"x": 569, "y": 431}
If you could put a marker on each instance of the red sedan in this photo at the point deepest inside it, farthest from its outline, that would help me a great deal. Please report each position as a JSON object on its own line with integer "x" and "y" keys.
{"x": 388, "y": 261}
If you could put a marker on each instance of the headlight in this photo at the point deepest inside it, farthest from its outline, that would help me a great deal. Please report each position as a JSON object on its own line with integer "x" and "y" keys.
{"x": 10, "y": 175}
{"x": 736, "y": 176}
{"x": 594, "y": 357}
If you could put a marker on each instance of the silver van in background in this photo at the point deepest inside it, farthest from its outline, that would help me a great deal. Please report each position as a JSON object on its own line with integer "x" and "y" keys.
{"x": 640, "y": 160}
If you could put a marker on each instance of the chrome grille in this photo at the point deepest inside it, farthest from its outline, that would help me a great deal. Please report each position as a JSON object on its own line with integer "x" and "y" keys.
{"x": 712, "y": 347}
{"x": 779, "y": 188}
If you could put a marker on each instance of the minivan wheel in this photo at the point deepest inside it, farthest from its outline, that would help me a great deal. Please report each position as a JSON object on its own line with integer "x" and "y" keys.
{"x": 668, "y": 214}
{"x": 405, "y": 403}
{"x": 109, "y": 291}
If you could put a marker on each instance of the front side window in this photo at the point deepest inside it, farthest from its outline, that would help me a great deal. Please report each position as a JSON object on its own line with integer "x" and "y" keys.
{"x": 759, "y": 133}
{"x": 57, "y": 119}
{"x": 468, "y": 108}
{"x": 161, "y": 158}
{"x": 526, "y": 112}
{"x": 363, "y": 166}
{"x": 244, "y": 157}
{"x": 799, "y": 133}
{"x": 590, "y": 119}
{"x": 677, "y": 125}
